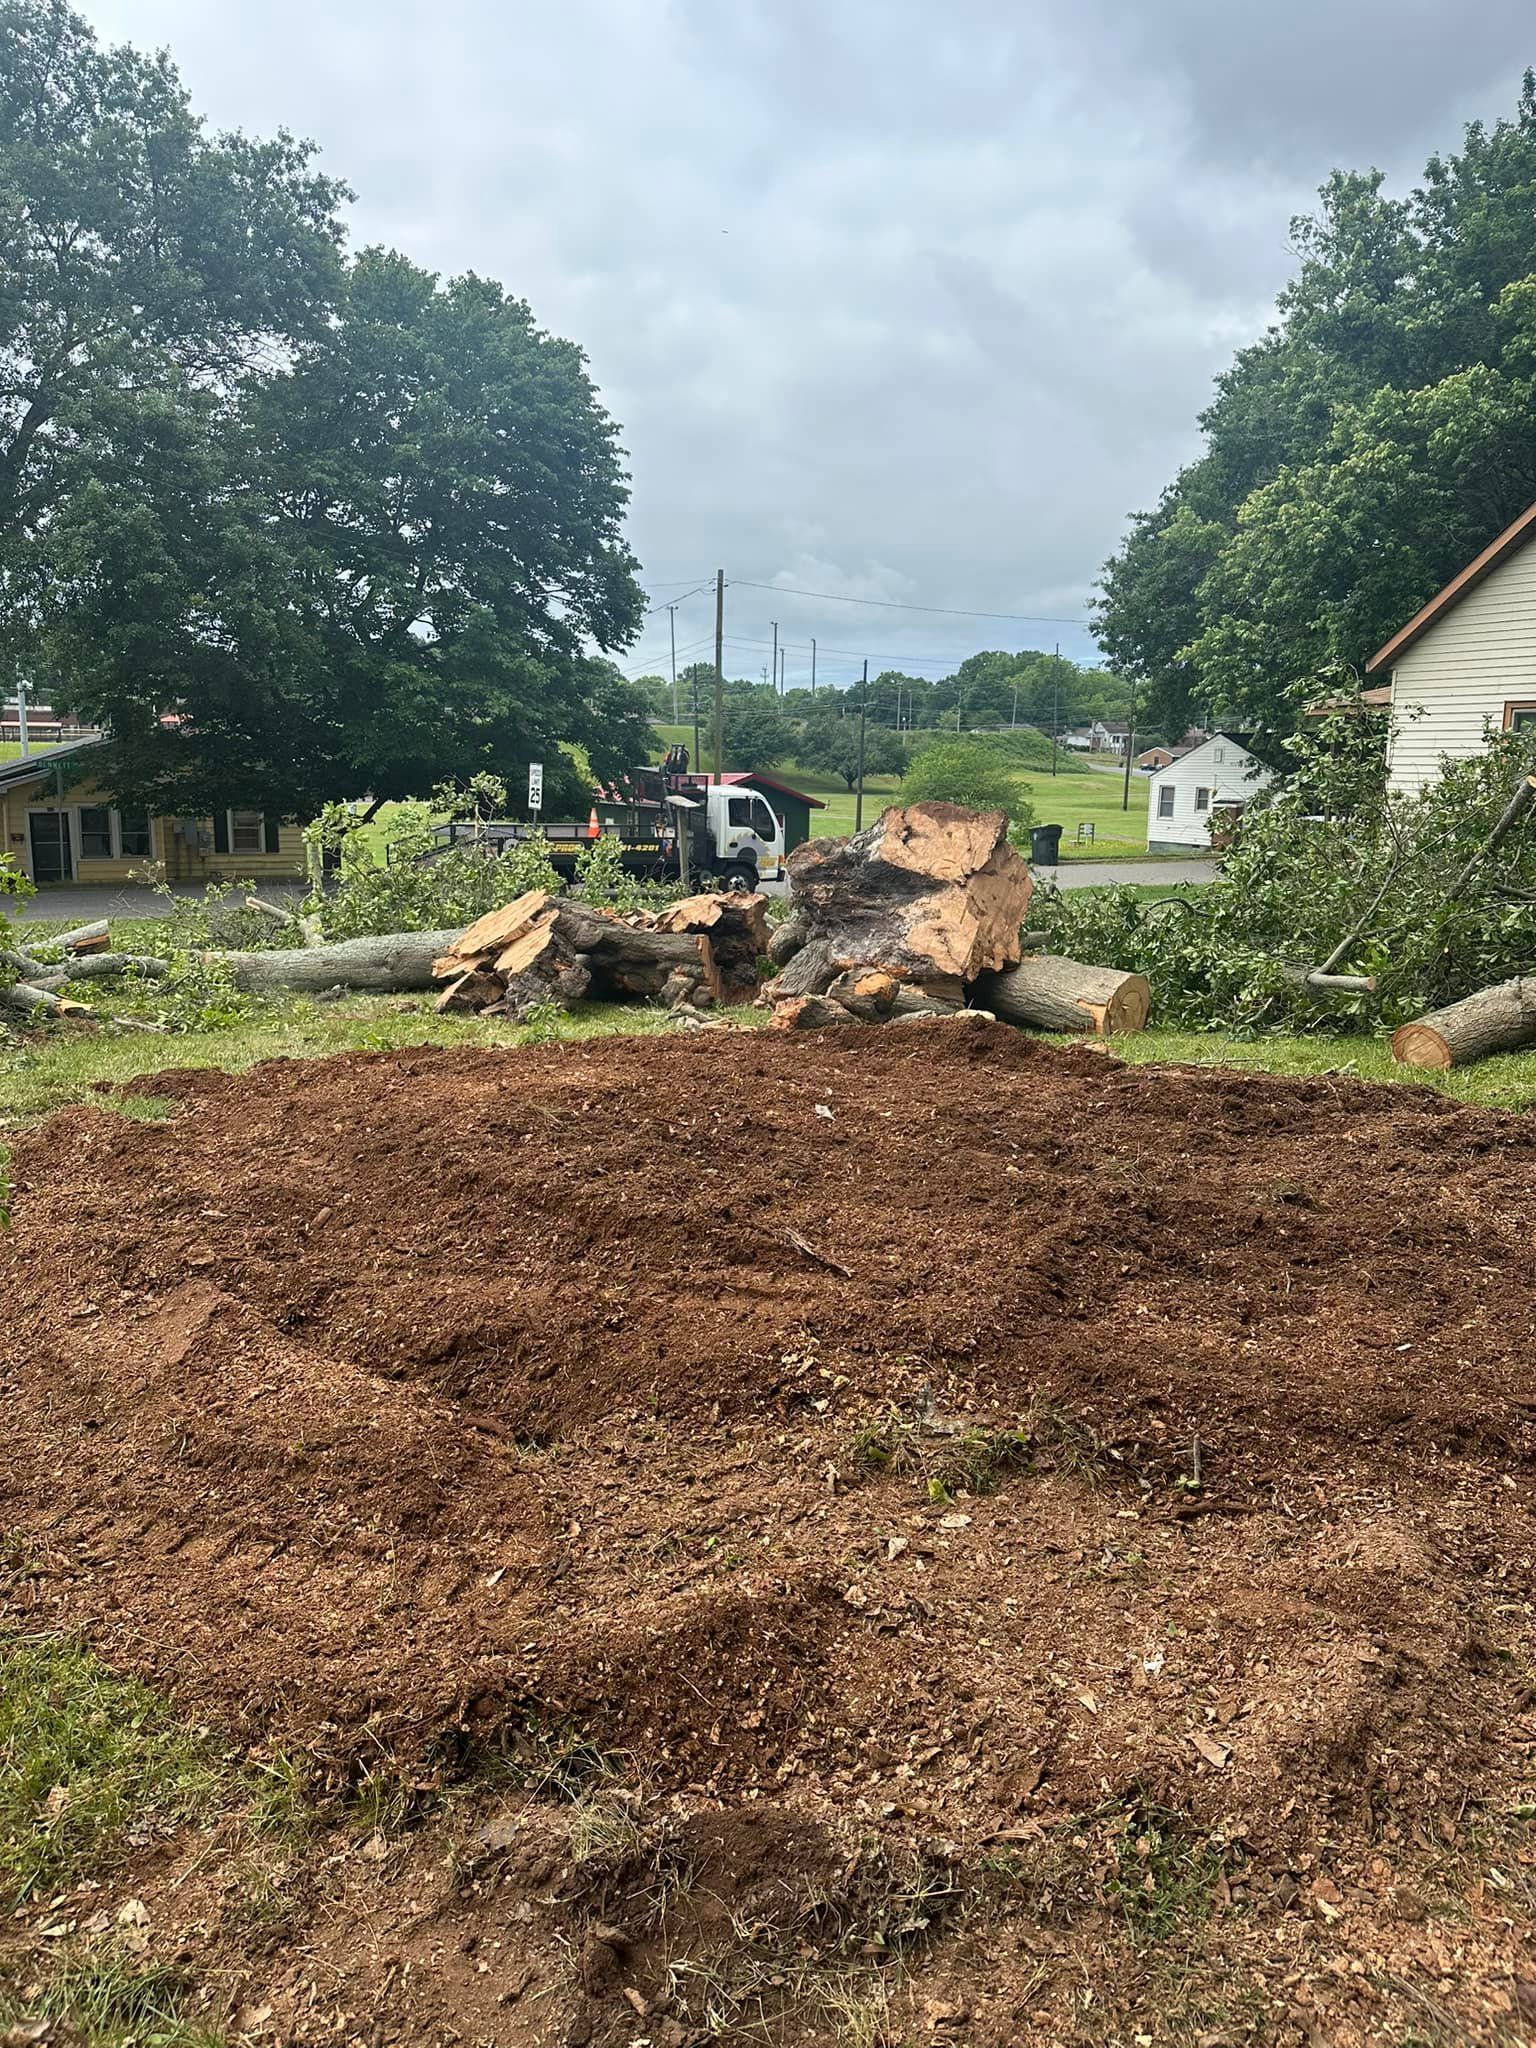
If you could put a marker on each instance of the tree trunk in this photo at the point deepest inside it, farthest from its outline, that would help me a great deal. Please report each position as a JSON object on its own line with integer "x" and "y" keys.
{"x": 1498, "y": 1019}
{"x": 811, "y": 972}
{"x": 98, "y": 966}
{"x": 785, "y": 942}
{"x": 400, "y": 961}
{"x": 630, "y": 962}
{"x": 928, "y": 892}
{"x": 1053, "y": 994}
{"x": 736, "y": 925}
{"x": 808, "y": 1013}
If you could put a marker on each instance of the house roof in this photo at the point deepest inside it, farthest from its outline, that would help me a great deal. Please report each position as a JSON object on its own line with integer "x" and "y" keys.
{"x": 29, "y": 767}
{"x": 1509, "y": 542}
{"x": 771, "y": 782}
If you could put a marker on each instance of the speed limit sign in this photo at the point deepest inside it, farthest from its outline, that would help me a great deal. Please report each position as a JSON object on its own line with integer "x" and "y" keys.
{"x": 535, "y": 785}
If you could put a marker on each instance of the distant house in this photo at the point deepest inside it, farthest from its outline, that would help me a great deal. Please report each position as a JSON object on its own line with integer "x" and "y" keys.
{"x": 60, "y": 826}
{"x": 1109, "y": 737}
{"x": 1159, "y": 757}
{"x": 1465, "y": 664}
{"x": 1079, "y": 741}
{"x": 45, "y": 726}
{"x": 1221, "y": 774}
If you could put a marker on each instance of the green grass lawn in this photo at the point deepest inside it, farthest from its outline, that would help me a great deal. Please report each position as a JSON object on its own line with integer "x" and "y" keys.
{"x": 10, "y": 750}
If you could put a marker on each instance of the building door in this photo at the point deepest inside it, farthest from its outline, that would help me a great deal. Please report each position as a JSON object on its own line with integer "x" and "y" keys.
{"x": 52, "y": 860}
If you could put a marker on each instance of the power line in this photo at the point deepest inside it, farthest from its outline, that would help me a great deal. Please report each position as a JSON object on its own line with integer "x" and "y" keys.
{"x": 890, "y": 604}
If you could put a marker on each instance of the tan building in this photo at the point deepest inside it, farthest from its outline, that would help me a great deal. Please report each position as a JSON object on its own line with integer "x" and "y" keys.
{"x": 1465, "y": 665}
{"x": 60, "y": 826}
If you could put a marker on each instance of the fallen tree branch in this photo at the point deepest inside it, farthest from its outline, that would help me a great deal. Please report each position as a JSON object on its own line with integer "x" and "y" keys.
{"x": 1320, "y": 977}
{"x": 98, "y": 966}
{"x": 21, "y": 995}
{"x": 308, "y": 924}
{"x": 398, "y": 962}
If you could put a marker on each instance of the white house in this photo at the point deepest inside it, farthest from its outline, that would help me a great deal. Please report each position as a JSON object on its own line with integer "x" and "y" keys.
{"x": 1220, "y": 774}
{"x": 1466, "y": 663}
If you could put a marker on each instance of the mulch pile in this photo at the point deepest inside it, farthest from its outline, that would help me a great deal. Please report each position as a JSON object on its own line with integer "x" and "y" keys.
{"x": 376, "y": 1403}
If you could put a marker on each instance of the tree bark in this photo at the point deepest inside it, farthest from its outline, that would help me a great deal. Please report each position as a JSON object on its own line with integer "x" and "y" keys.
{"x": 1498, "y": 1019}
{"x": 96, "y": 966}
{"x": 785, "y": 942}
{"x": 1054, "y": 994}
{"x": 398, "y": 962}
{"x": 928, "y": 892}
{"x": 811, "y": 972}
{"x": 21, "y": 995}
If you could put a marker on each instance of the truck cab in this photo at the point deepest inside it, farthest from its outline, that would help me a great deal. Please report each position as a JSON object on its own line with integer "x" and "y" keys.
{"x": 746, "y": 837}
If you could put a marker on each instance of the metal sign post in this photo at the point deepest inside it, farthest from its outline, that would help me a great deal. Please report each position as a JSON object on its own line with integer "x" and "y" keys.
{"x": 535, "y": 788}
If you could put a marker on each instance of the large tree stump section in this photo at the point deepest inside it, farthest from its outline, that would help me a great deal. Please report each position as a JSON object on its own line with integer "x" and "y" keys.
{"x": 930, "y": 892}
{"x": 1055, "y": 994}
{"x": 1498, "y": 1019}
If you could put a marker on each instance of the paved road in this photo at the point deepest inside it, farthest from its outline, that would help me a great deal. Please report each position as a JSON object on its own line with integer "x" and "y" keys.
{"x": 1089, "y": 874}
{"x": 81, "y": 905}
{"x": 78, "y": 905}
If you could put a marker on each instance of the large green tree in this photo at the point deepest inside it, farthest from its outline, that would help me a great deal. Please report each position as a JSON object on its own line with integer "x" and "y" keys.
{"x": 292, "y": 528}
{"x": 1369, "y": 444}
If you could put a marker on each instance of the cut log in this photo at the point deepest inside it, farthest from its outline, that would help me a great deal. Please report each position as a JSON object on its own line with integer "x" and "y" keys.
{"x": 85, "y": 938}
{"x": 537, "y": 943}
{"x": 42, "y": 1002}
{"x": 808, "y": 1013}
{"x": 736, "y": 925}
{"x": 1054, "y": 994}
{"x": 628, "y": 962}
{"x": 811, "y": 972}
{"x": 785, "y": 942}
{"x": 866, "y": 993}
{"x": 916, "y": 1002}
{"x": 929, "y": 891}
{"x": 1498, "y": 1019}
{"x": 399, "y": 961}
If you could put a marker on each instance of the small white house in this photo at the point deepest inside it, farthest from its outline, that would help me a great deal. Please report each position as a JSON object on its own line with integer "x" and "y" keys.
{"x": 1466, "y": 664}
{"x": 1219, "y": 774}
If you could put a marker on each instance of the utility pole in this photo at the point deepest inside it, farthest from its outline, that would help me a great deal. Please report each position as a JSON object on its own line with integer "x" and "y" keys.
{"x": 1055, "y": 703}
{"x": 858, "y": 808}
{"x": 775, "y": 625}
{"x": 1015, "y": 697}
{"x": 21, "y": 716}
{"x": 697, "y": 761}
{"x": 813, "y": 664}
{"x": 719, "y": 673}
{"x": 1130, "y": 744}
{"x": 672, "y": 621}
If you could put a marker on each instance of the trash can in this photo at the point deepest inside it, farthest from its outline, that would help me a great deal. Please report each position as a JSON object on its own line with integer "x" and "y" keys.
{"x": 1045, "y": 845}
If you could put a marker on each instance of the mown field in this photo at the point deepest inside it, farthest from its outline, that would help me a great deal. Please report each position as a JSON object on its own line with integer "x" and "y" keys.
{"x": 1086, "y": 802}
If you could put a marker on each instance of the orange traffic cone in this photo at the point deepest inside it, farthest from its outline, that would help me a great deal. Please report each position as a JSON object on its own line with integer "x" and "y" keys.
{"x": 594, "y": 830}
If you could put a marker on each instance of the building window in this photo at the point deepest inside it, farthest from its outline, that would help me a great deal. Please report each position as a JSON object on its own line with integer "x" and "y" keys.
{"x": 1165, "y": 801}
{"x": 246, "y": 832}
{"x": 1518, "y": 717}
{"x": 1219, "y": 756}
{"x": 95, "y": 832}
{"x": 1202, "y": 799}
{"x": 134, "y": 835}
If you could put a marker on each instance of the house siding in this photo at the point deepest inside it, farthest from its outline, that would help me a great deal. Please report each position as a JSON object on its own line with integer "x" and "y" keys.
{"x": 1234, "y": 778}
{"x": 21, "y": 798}
{"x": 1454, "y": 683}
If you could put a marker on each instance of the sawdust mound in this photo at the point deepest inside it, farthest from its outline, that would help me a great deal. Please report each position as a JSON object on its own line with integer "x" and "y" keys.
{"x": 929, "y": 1428}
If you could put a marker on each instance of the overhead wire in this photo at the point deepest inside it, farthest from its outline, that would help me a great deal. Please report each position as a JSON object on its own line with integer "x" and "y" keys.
{"x": 891, "y": 604}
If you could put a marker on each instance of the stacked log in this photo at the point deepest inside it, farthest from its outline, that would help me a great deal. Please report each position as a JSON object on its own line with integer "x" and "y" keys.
{"x": 544, "y": 949}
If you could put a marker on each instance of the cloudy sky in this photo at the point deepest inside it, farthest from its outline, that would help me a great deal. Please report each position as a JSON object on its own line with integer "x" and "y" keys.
{"x": 901, "y": 299}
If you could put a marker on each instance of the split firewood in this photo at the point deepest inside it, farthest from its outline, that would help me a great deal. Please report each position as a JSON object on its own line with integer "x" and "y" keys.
{"x": 736, "y": 925}
{"x": 1498, "y": 1019}
{"x": 930, "y": 890}
{"x": 1054, "y": 994}
{"x": 498, "y": 928}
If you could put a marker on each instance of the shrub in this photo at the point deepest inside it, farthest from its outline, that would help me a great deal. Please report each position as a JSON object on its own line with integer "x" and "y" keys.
{"x": 416, "y": 885}
{"x": 1324, "y": 857}
{"x": 970, "y": 771}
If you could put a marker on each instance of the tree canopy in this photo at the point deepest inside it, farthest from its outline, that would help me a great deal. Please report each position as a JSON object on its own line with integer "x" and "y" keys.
{"x": 1378, "y": 436}
{"x": 293, "y": 527}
